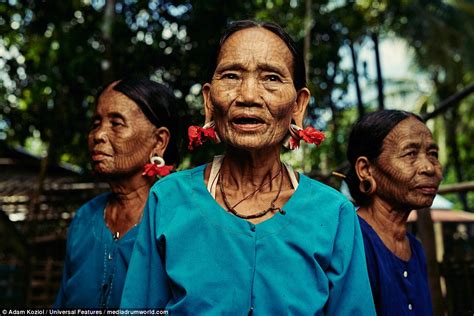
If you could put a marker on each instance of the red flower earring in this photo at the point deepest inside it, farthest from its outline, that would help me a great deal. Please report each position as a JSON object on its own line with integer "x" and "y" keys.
{"x": 157, "y": 167}
{"x": 198, "y": 135}
{"x": 309, "y": 135}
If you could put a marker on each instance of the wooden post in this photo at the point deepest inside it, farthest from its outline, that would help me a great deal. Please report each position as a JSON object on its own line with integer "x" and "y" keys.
{"x": 426, "y": 233}
{"x": 456, "y": 187}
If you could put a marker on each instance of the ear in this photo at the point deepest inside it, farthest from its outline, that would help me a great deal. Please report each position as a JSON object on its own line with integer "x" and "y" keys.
{"x": 302, "y": 100}
{"x": 363, "y": 169}
{"x": 208, "y": 106}
{"x": 162, "y": 138}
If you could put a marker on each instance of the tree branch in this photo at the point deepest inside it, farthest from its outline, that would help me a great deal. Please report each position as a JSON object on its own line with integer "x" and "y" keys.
{"x": 449, "y": 102}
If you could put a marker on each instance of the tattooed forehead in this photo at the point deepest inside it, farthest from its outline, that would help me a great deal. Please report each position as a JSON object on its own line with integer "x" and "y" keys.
{"x": 255, "y": 47}
{"x": 409, "y": 133}
{"x": 112, "y": 102}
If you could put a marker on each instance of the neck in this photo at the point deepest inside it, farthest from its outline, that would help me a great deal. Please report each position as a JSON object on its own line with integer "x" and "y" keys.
{"x": 131, "y": 187}
{"x": 386, "y": 220}
{"x": 253, "y": 185}
{"x": 244, "y": 170}
{"x": 125, "y": 206}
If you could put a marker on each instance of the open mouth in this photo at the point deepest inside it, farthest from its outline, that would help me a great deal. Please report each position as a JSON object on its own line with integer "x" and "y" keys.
{"x": 248, "y": 124}
{"x": 247, "y": 121}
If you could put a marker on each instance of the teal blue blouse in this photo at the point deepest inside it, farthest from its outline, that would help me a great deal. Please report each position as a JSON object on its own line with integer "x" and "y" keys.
{"x": 95, "y": 264}
{"x": 193, "y": 257}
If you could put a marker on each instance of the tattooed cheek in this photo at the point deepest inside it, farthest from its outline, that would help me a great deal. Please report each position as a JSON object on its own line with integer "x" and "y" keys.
{"x": 219, "y": 111}
{"x": 134, "y": 156}
{"x": 283, "y": 110}
{"x": 226, "y": 87}
{"x": 390, "y": 187}
{"x": 385, "y": 183}
{"x": 219, "y": 108}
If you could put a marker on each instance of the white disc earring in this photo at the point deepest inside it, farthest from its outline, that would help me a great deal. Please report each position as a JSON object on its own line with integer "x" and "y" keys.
{"x": 158, "y": 161}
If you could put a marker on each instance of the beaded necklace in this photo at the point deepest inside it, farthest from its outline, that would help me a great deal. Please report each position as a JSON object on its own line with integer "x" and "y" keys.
{"x": 272, "y": 207}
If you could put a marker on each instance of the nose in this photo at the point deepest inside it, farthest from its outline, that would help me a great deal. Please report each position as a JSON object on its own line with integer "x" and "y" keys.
{"x": 99, "y": 135}
{"x": 427, "y": 166}
{"x": 249, "y": 92}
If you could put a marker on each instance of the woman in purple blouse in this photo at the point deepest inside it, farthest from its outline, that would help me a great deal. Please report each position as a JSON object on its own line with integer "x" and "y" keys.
{"x": 394, "y": 169}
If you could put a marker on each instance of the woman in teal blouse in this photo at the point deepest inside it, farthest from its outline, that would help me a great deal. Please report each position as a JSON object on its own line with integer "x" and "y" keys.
{"x": 134, "y": 121}
{"x": 246, "y": 234}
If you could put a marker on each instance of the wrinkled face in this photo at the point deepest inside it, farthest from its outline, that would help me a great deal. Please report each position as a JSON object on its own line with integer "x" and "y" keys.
{"x": 252, "y": 94}
{"x": 121, "y": 138}
{"x": 408, "y": 172}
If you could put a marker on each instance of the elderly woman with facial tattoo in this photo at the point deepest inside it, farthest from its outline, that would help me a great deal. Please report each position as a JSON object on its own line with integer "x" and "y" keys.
{"x": 246, "y": 234}
{"x": 133, "y": 133}
{"x": 394, "y": 169}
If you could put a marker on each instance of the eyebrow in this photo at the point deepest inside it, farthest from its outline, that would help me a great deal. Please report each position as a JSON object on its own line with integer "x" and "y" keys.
{"x": 229, "y": 66}
{"x": 272, "y": 68}
{"x": 433, "y": 146}
{"x": 418, "y": 145}
{"x": 241, "y": 66}
{"x": 116, "y": 115}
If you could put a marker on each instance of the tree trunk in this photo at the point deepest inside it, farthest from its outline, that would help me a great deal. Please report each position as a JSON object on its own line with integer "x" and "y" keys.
{"x": 336, "y": 146}
{"x": 360, "y": 105}
{"x": 426, "y": 233}
{"x": 37, "y": 192}
{"x": 107, "y": 28}
{"x": 308, "y": 24}
{"x": 375, "y": 39}
{"x": 338, "y": 154}
{"x": 34, "y": 208}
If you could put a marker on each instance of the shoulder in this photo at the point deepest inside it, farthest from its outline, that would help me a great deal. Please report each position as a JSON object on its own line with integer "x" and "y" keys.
{"x": 87, "y": 215}
{"x": 366, "y": 229}
{"x": 183, "y": 174}
{"x": 179, "y": 182}
{"x": 319, "y": 192}
{"x": 417, "y": 247}
{"x": 323, "y": 204}
{"x": 174, "y": 194}
{"x": 369, "y": 236}
{"x": 414, "y": 243}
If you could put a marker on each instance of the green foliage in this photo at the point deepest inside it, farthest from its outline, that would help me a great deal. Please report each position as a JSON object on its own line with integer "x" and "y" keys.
{"x": 56, "y": 55}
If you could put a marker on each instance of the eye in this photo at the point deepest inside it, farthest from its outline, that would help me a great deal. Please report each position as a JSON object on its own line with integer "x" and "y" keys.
{"x": 230, "y": 76}
{"x": 94, "y": 124}
{"x": 410, "y": 154}
{"x": 272, "y": 78}
{"x": 433, "y": 153}
{"x": 116, "y": 123}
